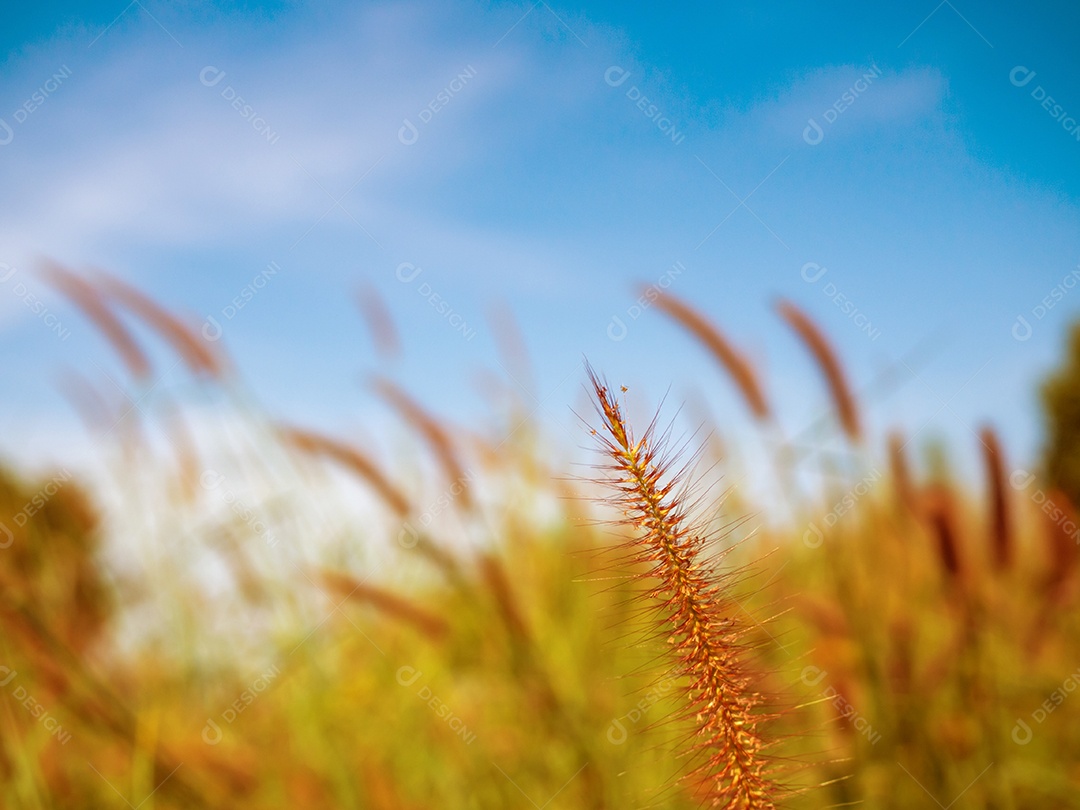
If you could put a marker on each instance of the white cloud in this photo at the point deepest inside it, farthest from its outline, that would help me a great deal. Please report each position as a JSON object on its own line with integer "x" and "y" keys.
{"x": 851, "y": 101}
{"x": 139, "y": 151}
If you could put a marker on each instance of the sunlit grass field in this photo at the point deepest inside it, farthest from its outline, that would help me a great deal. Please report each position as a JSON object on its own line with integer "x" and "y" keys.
{"x": 249, "y": 614}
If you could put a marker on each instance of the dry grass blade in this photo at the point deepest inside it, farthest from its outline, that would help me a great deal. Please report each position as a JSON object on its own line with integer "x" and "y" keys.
{"x": 733, "y": 361}
{"x": 87, "y": 298}
{"x": 379, "y": 322}
{"x": 494, "y": 575}
{"x": 827, "y": 359}
{"x": 698, "y": 616}
{"x": 386, "y": 602}
{"x": 1001, "y": 531}
{"x": 317, "y": 444}
{"x": 433, "y": 433}
{"x": 903, "y": 482}
{"x": 939, "y": 507}
{"x": 196, "y": 352}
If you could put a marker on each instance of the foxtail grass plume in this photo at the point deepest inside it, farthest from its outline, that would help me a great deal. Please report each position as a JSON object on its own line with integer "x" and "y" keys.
{"x": 380, "y": 322}
{"x": 721, "y": 348}
{"x": 196, "y": 353}
{"x": 695, "y": 610}
{"x": 89, "y": 299}
{"x": 1001, "y": 524}
{"x": 940, "y": 510}
{"x": 814, "y": 340}
{"x": 903, "y": 483}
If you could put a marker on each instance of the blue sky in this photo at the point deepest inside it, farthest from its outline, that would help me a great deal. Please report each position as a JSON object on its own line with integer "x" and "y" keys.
{"x": 576, "y": 153}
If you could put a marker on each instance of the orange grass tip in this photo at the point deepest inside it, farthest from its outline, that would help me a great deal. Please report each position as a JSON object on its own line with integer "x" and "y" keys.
{"x": 380, "y": 322}
{"x": 902, "y": 479}
{"x": 185, "y": 341}
{"x": 1000, "y": 517}
{"x": 733, "y": 361}
{"x": 814, "y": 339}
{"x": 695, "y": 611}
{"x": 940, "y": 509}
{"x": 91, "y": 301}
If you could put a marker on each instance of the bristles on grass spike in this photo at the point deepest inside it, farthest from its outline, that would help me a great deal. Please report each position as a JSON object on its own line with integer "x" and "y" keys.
{"x": 698, "y": 616}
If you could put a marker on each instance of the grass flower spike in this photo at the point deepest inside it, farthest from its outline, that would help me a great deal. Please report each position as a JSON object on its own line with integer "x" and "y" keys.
{"x": 696, "y": 612}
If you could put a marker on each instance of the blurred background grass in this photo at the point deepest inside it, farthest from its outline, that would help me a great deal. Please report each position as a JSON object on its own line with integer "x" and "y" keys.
{"x": 248, "y": 614}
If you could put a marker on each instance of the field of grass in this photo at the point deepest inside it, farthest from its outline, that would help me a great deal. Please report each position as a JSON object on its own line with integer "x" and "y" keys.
{"x": 248, "y": 614}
